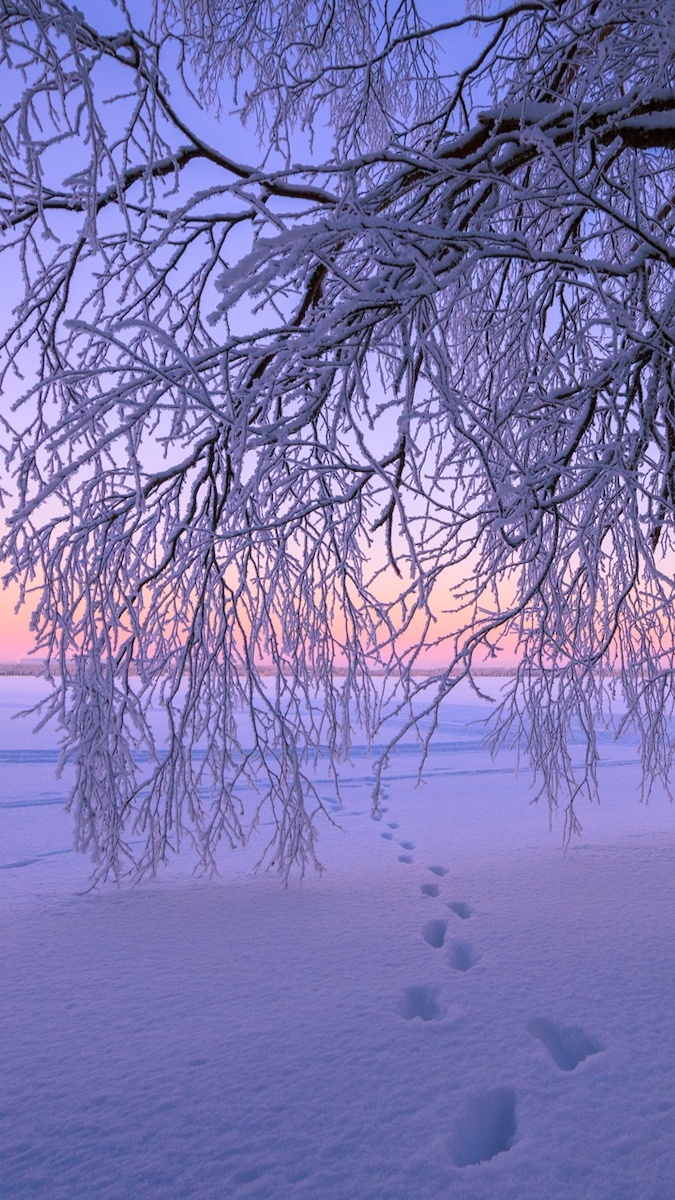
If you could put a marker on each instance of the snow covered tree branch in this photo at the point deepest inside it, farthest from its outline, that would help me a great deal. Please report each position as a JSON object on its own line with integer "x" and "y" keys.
{"x": 275, "y": 428}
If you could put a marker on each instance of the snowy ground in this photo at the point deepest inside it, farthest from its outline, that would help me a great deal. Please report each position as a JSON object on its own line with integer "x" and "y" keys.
{"x": 454, "y": 1009}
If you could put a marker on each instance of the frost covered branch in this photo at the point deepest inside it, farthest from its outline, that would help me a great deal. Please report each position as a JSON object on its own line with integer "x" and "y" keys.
{"x": 276, "y": 428}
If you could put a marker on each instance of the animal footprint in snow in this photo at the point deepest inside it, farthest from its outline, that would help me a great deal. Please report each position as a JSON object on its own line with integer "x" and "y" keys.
{"x": 421, "y": 1001}
{"x": 430, "y": 889}
{"x": 440, "y": 871}
{"x": 460, "y": 909}
{"x": 407, "y": 845}
{"x": 392, "y": 824}
{"x": 406, "y": 858}
{"x": 434, "y": 933}
{"x": 461, "y": 956}
{"x": 387, "y": 836}
{"x": 568, "y": 1045}
{"x": 487, "y": 1127}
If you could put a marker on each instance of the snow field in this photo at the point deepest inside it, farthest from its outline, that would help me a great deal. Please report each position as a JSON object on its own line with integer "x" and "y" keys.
{"x": 454, "y": 1009}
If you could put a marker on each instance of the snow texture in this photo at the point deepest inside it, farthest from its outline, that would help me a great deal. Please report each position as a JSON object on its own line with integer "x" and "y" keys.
{"x": 235, "y": 1038}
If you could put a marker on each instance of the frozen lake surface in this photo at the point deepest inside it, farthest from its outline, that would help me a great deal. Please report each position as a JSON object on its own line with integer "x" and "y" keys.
{"x": 455, "y": 1008}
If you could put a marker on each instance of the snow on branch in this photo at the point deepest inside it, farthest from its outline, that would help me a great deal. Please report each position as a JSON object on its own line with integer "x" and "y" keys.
{"x": 281, "y": 433}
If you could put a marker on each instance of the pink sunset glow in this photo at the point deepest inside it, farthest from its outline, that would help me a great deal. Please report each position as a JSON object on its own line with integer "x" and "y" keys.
{"x": 16, "y": 639}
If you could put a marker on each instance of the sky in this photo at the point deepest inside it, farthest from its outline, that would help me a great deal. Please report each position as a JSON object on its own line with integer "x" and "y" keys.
{"x": 16, "y": 639}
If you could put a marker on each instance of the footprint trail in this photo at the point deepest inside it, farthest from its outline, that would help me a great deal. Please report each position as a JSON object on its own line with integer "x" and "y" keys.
{"x": 486, "y": 1128}
{"x": 434, "y": 933}
{"x": 430, "y": 889}
{"x": 568, "y": 1045}
{"x": 461, "y": 956}
{"x": 421, "y": 1001}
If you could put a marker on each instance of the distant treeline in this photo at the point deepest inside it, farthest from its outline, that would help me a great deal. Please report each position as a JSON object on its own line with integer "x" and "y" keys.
{"x": 38, "y": 668}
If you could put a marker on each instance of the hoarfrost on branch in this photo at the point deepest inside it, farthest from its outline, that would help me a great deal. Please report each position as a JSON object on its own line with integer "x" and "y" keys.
{"x": 277, "y": 429}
